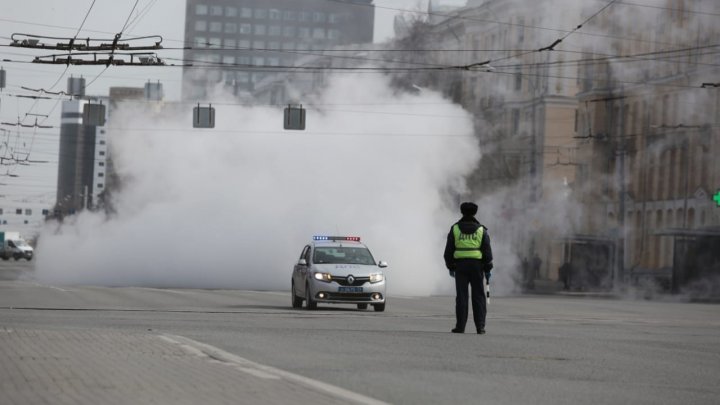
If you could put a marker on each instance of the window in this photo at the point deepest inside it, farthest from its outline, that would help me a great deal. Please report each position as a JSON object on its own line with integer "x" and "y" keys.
{"x": 228, "y": 59}
{"x": 260, "y": 13}
{"x": 275, "y": 30}
{"x": 518, "y": 80}
{"x": 243, "y": 60}
{"x": 290, "y": 16}
{"x": 101, "y": 153}
{"x": 246, "y": 12}
{"x": 200, "y": 42}
{"x": 44, "y": 212}
{"x": 243, "y": 77}
{"x": 288, "y": 45}
{"x": 258, "y": 60}
{"x": 102, "y": 142}
{"x": 274, "y": 14}
{"x": 260, "y": 29}
{"x": 28, "y": 211}
{"x": 258, "y": 44}
{"x": 18, "y": 211}
{"x": 216, "y": 26}
{"x": 289, "y": 31}
{"x": 99, "y": 185}
{"x": 101, "y": 174}
{"x": 1, "y": 211}
{"x": 273, "y": 45}
{"x": 333, "y": 18}
{"x": 216, "y": 10}
{"x": 230, "y": 43}
{"x": 231, "y": 11}
{"x": 515, "y": 121}
{"x": 304, "y": 32}
{"x": 214, "y": 43}
{"x": 318, "y": 33}
{"x": 244, "y": 43}
{"x": 101, "y": 164}
{"x": 201, "y": 9}
{"x": 245, "y": 28}
{"x": 273, "y": 61}
{"x": 231, "y": 28}
{"x": 305, "y": 16}
{"x": 318, "y": 16}
{"x": 333, "y": 34}
{"x": 200, "y": 25}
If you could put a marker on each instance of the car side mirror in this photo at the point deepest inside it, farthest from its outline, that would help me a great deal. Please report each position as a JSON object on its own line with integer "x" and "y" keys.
{"x": 302, "y": 262}
{"x": 382, "y": 264}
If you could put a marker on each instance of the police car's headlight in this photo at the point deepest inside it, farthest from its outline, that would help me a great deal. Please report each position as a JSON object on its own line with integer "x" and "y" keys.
{"x": 323, "y": 277}
{"x": 376, "y": 277}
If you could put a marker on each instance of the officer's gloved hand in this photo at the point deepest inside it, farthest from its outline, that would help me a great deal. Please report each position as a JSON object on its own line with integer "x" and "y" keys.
{"x": 487, "y": 277}
{"x": 452, "y": 273}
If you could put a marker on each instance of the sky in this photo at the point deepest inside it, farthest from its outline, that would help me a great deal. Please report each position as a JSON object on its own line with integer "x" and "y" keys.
{"x": 36, "y": 184}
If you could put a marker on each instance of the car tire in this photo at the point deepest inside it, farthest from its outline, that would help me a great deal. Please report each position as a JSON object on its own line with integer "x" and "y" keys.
{"x": 296, "y": 301}
{"x": 379, "y": 307}
{"x": 362, "y": 306}
{"x": 5, "y": 257}
{"x": 310, "y": 303}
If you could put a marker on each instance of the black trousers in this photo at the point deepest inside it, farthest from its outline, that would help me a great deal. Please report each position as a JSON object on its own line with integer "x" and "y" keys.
{"x": 479, "y": 305}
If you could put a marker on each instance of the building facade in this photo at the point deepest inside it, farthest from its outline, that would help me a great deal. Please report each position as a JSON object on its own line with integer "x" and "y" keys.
{"x": 234, "y": 44}
{"x": 648, "y": 161}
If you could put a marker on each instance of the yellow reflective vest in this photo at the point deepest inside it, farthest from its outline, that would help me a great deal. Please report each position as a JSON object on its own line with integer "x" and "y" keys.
{"x": 467, "y": 246}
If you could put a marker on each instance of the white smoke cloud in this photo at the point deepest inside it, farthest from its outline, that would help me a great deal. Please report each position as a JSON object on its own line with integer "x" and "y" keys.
{"x": 233, "y": 206}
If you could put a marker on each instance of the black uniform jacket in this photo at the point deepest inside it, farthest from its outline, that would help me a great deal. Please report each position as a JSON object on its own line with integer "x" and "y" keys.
{"x": 469, "y": 225}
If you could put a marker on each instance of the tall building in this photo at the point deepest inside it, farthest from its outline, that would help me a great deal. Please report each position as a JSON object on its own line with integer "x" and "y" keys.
{"x": 81, "y": 156}
{"x": 234, "y": 44}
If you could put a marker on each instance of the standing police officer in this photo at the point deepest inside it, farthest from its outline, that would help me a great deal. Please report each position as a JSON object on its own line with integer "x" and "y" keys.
{"x": 468, "y": 257}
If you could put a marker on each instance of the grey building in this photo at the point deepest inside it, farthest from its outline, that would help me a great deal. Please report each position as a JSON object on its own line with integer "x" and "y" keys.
{"x": 234, "y": 44}
{"x": 82, "y": 149}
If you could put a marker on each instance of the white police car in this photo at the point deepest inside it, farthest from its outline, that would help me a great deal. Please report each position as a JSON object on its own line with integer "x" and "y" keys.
{"x": 338, "y": 270}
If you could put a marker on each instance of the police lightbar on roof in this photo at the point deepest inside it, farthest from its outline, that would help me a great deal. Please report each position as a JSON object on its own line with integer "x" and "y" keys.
{"x": 347, "y": 238}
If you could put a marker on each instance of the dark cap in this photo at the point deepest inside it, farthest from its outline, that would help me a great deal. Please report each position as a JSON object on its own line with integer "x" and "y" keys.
{"x": 468, "y": 208}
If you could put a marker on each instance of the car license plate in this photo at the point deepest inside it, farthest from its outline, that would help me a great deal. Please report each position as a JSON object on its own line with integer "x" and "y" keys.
{"x": 350, "y": 289}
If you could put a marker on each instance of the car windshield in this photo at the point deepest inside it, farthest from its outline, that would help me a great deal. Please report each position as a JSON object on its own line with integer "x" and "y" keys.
{"x": 343, "y": 255}
{"x": 20, "y": 243}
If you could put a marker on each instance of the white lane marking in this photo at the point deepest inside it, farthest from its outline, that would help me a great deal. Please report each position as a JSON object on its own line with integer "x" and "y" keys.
{"x": 263, "y": 371}
{"x": 269, "y": 292}
{"x": 51, "y": 286}
{"x": 198, "y": 349}
{"x": 164, "y": 290}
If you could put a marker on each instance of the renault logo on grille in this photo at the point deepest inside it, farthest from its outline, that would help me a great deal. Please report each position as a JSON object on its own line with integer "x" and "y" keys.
{"x": 350, "y": 279}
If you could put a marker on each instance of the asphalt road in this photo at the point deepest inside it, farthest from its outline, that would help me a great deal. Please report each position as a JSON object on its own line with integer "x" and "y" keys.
{"x": 118, "y": 342}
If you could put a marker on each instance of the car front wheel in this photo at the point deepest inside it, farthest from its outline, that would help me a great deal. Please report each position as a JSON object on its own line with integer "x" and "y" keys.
{"x": 310, "y": 303}
{"x": 296, "y": 301}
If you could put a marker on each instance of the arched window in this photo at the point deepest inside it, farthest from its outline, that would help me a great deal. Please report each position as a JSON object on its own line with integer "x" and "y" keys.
{"x": 672, "y": 190}
{"x": 680, "y": 217}
{"x": 662, "y": 175}
{"x": 656, "y": 259}
{"x": 691, "y": 218}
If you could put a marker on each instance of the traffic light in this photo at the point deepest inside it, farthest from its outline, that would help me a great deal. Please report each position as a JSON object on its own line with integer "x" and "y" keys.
{"x": 94, "y": 114}
{"x": 204, "y": 117}
{"x": 294, "y": 117}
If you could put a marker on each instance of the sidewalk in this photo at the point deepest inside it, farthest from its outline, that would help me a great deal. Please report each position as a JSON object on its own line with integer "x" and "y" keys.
{"x": 111, "y": 367}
